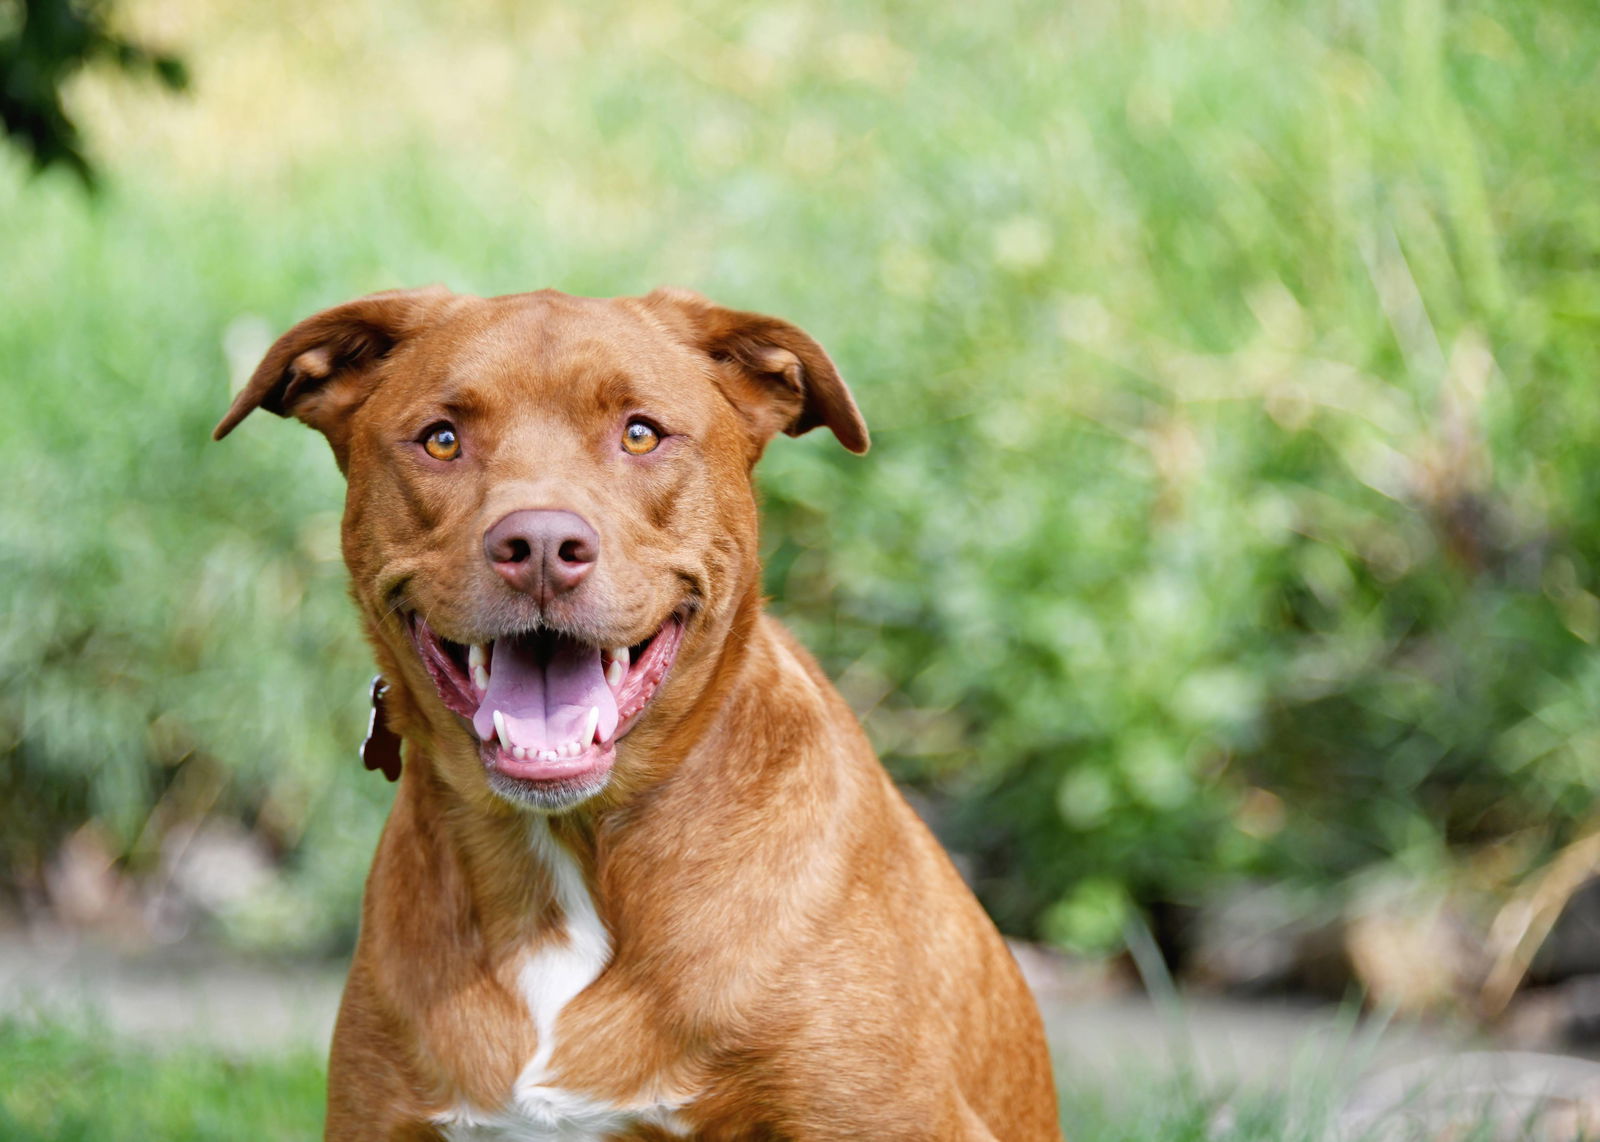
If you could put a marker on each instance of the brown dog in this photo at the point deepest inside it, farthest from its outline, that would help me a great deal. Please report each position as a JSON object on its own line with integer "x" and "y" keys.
{"x": 644, "y": 877}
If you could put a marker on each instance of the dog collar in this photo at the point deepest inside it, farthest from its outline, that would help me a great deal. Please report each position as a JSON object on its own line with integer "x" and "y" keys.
{"x": 381, "y": 749}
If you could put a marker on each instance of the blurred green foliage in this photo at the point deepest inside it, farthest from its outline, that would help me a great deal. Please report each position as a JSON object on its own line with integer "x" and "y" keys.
{"x": 43, "y": 44}
{"x": 1230, "y": 366}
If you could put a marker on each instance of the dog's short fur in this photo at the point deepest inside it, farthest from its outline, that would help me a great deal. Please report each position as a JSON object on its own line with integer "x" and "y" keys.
{"x": 712, "y": 918}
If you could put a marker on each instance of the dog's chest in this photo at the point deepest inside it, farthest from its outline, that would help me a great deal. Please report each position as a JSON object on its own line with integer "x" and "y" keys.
{"x": 537, "y": 1108}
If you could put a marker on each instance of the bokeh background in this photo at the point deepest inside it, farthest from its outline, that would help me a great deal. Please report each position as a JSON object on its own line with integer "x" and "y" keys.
{"x": 1225, "y": 567}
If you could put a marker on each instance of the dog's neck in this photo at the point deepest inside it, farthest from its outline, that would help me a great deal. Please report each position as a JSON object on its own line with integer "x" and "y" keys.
{"x": 516, "y": 866}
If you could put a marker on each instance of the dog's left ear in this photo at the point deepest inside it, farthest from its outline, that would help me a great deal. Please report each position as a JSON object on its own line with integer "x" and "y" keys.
{"x": 773, "y": 372}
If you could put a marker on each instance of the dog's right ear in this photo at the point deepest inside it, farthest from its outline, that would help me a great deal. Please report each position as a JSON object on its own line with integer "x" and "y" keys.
{"x": 322, "y": 369}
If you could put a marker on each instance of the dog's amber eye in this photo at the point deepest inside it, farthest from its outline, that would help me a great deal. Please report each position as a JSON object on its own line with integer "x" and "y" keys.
{"x": 442, "y": 443}
{"x": 639, "y": 438}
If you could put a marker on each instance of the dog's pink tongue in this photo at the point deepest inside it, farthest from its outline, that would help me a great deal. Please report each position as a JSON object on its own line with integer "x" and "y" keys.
{"x": 545, "y": 698}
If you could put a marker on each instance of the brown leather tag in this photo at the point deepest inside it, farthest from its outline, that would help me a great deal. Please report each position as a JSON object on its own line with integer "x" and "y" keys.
{"x": 381, "y": 749}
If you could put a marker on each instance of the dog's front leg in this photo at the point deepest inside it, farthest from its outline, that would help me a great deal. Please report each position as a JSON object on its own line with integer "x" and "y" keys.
{"x": 369, "y": 1098}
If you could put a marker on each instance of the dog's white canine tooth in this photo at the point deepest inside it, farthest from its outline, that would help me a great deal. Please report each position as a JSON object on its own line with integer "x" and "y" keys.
{"x": 480, "y": 678}
{"x": 500, "y": 730}
{"x": 476, "y": 657}
{"x": 620, "y": 654}
{"x": 615, "y": 672}
{"x": 591, "y": 725}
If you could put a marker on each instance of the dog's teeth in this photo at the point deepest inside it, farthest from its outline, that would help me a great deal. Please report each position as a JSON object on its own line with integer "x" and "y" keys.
{"x": 480, "y": 678}
{"x": 522, "y": 753}
{"x": 476, "y": 657}
{"x": 500, "y": 730}
{"x": 591, "y": 725}
{"x": 617, "y": 667}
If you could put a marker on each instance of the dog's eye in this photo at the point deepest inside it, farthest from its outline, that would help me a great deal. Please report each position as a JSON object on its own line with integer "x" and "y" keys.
{"x": 639, "y": 438}
{"x": 442, "y": 443}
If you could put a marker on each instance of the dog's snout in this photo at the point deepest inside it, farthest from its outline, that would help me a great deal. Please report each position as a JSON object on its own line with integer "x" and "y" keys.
{"x": 542, "y": 552}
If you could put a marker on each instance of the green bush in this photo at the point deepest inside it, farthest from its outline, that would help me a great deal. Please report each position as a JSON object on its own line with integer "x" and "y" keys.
{"x": 1232, "y": 506}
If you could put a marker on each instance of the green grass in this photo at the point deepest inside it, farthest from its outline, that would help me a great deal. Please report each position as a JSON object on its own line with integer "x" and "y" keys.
{"x": 72, "y": 1083}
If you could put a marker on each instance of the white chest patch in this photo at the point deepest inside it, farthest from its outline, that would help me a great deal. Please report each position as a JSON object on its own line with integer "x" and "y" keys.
{"x": 547, "y": 1114}
{"x": 553, "y": 976}
{"x": 550, "y": 978}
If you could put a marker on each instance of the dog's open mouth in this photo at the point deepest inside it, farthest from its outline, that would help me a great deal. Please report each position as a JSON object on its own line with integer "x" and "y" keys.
{"x": 546, "y": 707}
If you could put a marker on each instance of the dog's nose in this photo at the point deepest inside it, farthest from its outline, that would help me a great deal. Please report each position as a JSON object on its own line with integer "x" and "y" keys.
{"x": 542, "y": 552}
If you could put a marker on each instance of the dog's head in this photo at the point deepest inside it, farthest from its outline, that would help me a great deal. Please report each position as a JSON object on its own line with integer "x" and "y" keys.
{"x": 549, "y": 525}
